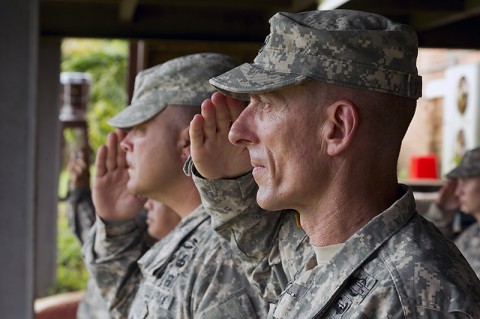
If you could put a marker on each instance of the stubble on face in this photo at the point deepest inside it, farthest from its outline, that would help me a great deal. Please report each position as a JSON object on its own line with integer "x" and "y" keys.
{"x": 153, "y": 155}
{"x": 288, "y": 123}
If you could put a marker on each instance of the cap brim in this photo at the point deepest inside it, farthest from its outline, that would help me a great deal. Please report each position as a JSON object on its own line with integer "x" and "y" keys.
{"x": 454, "y": 173}
{"x": 462, "y": 172}
{"x": 250, "y": 79}
{"x": 135, "y": 115}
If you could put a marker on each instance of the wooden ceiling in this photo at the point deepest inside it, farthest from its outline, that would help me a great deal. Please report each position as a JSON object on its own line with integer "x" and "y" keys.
{"x": 213, "y": 20}
{"x": 439, "y": 23}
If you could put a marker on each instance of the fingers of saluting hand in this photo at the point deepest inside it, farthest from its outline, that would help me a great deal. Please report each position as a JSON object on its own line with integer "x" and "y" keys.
{"x": 100, "y": 161}
{"x": 196, "y": 133}
{"x": 449, "y": 187}
{"x": 112, "y": 147}
{"x": 222, "y": 115}
{"x": 209, "y": 119}
{"x": 78, "y": 167}
{"x": 121, "y": 159}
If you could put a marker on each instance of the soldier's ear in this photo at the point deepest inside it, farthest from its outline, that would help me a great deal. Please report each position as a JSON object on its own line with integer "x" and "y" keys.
{"x": 342, "y": 123}
{"x": 184, "y": 143}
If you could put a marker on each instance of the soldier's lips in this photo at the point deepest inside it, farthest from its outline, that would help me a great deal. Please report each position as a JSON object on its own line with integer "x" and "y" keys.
{"x": 129, "y": 166}
{"x": 149, "y": 219}
{"x": 257, "y": 169}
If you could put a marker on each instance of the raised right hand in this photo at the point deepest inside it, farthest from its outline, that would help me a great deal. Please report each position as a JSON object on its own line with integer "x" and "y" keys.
{"x": 79, "y": 170}
{"x": 212, "y": 153}
{"x": 109, "y": 191}
{"x": 447, "y": 200}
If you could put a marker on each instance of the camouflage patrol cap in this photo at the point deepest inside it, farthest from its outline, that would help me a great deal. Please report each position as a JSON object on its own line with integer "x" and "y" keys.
{"x": 342, "y": 47}
{"x": 469, "y": 165}
{"x": 181, "y": 81}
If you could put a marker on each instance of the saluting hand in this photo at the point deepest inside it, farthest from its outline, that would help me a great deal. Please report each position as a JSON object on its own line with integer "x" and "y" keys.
{"x": 212, "y": 153}
{"x": 110, "y": 196}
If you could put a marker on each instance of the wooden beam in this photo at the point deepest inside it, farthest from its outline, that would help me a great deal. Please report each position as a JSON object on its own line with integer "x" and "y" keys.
{"x": 303, "y": 5}
{"x": 101, "y": 21}
{"x": 127, "y": 10}
{"x": 458, "y": 35}
{"x": 431, "y": 20}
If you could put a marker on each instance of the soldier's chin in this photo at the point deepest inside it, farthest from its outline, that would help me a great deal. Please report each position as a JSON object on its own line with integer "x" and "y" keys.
{"x": 267, "y": 201}
{"x": 133, "y": 188}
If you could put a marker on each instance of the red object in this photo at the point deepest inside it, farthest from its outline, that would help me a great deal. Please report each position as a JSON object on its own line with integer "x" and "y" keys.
{"x": 61, "y": 306}
{"x": 423, "y": 167}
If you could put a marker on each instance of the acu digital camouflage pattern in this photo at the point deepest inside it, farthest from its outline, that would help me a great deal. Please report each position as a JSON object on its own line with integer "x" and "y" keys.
{"x": 469, "y": 244}
{"x": 469, "y": 165}
{"x": 92, "y": 305}
{"x": 181, "y": 81}
{"x": 442, "y": 219}
{"x": 188, "y": 274}
{"x": 81, "y": 217}
{"x": 397, "y": 266}
{"x": 273, "y": 249}
{"x": 342, "y": 47}
{"x": 80, "y": 213}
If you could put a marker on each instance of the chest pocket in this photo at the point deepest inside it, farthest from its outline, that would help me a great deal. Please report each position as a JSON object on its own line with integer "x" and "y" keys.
{"x": 237, "y": 305}
{"x": 152, "y": 302}
{"x": 164, "y": 285}
{"x": 356, "y": 289}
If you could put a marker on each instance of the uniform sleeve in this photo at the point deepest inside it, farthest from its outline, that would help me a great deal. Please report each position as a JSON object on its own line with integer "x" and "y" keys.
{"x": 111, "y": 253}
{"x": 252, "y": 232}
{"x": 80, "y": 213}
{"x": 442, "y": 219}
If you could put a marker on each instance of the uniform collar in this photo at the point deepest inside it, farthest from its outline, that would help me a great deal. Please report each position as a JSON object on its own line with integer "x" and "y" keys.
{"x": 357, "y": 249}
{"x": 158, "y": 256}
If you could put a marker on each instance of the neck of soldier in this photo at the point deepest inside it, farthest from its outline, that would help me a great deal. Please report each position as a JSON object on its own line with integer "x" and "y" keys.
{"x": 350, "y": 202}
{"x": 182, "y": 197}
{"x": 187, "y": 202}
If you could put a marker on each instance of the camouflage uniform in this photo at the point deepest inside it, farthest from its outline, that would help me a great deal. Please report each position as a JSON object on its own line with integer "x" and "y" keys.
{"x": 469, "y": 240}
{"x": 398, "y": 265}
{"x": 469, "y": 244}
{"x": 385, "y": 270}
{"x": 81, "y": 217}
{"x": 272, "y": 247}
{"x": 444, "y": 220}
{"x": 191, "y": 273}
{"x": 80, "y": 212}
{"x": 187, "y": 274}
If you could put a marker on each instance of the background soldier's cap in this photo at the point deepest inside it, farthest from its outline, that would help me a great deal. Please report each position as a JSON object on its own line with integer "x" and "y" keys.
{"x": 181, "y": 81}
{"x": 469, "y": 165}
{"x": 343, "y": 47}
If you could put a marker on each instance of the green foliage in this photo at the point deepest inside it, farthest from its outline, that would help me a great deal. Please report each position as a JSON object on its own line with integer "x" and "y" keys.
{"x": 71, "y": 272}
{"x": 106, "y": 62}
{"x": 62, "y": 187}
